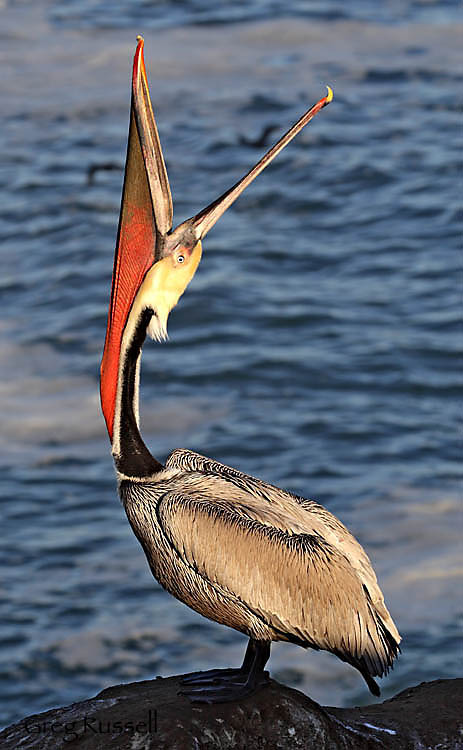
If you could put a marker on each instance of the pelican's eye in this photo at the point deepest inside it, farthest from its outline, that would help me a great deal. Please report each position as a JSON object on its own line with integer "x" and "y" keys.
{"x": 180, "y": 258}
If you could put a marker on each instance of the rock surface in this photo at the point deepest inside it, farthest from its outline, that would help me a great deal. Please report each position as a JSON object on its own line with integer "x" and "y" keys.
{"x": 151, "y": 714}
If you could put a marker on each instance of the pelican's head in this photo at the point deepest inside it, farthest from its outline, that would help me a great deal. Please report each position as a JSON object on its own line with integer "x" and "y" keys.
{"x": 153, "y": 265}
{"x": 165, "y": 283}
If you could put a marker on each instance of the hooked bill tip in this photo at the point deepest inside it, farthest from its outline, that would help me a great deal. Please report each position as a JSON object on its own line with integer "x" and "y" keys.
{"x": 329, "y": 95}
{"x": 140, "y": 38}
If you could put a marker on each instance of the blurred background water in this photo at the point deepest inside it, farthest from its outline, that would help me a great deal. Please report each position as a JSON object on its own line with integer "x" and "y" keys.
{"x": 316, "y": 347}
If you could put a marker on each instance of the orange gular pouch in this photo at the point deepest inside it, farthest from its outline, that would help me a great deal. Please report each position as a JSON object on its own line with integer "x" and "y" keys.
{"x": 145, "y": 218}
{"x": 135, "y": 253}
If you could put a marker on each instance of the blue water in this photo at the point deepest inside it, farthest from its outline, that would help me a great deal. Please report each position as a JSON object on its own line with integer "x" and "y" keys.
{"x": 317, "y": 346}
{"x": 168, "y": 13}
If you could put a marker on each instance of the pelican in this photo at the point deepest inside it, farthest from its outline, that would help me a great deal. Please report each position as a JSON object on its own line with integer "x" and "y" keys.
{"x": 236, "y": 549}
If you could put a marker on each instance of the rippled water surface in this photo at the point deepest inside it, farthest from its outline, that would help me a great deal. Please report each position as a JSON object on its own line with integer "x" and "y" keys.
{"x": 316, "y": 347}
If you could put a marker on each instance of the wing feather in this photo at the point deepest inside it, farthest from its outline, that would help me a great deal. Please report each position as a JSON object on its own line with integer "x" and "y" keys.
{"x": 298, "y": 584}
{"x": 300, "y": 514}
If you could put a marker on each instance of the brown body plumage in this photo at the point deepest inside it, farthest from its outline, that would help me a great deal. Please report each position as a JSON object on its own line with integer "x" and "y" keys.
{"x": 261, "y": 560}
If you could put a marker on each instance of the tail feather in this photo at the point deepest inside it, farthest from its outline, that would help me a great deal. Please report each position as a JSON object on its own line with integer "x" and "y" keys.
{"x": 372, "y": 686}
{"x": 378, "y": 658}
{"x": 385, "y": 645}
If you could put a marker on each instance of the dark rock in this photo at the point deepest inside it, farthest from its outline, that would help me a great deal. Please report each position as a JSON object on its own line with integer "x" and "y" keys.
{"x": 148, "y": 715}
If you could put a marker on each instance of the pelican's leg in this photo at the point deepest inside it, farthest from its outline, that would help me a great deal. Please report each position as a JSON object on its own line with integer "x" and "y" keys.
{"x": 230, "y": 685}
{"x": 214, "y": 675}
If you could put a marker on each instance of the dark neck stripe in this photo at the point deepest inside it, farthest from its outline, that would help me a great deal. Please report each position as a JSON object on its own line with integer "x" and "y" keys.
{"x": 134, "y": 459}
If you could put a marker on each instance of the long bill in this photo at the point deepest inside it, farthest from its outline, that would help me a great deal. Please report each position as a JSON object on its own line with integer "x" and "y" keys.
{"x": 202, "y": 222}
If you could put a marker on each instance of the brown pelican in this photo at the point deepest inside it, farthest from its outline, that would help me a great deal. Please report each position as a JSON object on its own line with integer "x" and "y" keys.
{"x": 238, "y": 550}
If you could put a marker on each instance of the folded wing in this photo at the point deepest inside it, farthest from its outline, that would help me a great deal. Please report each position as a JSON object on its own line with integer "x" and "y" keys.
{"x": 298, "y": 584}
